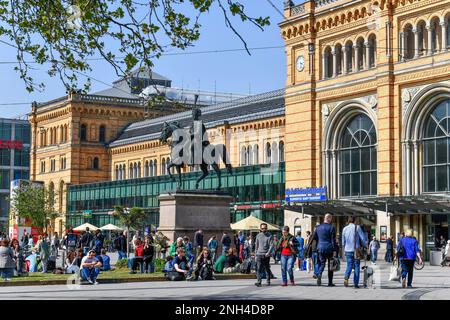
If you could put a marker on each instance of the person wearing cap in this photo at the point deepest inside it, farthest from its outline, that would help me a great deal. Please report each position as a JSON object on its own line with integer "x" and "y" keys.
{"x": 288, "y": 245}
{"x": 176, "y": 244}
{"x": 90, "y": 267}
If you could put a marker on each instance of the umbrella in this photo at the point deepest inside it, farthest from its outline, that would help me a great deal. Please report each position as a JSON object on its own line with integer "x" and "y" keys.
{"x": 251, "y": 223}
{"x": 83, "y": 227}
{"x": 111, "y": 227}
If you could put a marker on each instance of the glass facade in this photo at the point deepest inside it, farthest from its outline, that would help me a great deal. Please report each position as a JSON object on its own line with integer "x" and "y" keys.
{"x": 5, "y": 130}
{"x": 358, "y": 158}
{"x": 5, "y": 157}
{"x": 22, "y": 133}
{"x": 22, "y": 157}
{"x": 5, "y": 179}
{"x": 249, "y": 185}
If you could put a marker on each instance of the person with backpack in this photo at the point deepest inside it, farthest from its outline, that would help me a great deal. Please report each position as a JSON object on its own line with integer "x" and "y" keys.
{"x": 70, "y": 242}
{"x": 407, "y": 252}
{"x": 288, "y": 246}
{"x": 204, "y": 269}
{"x": 120, "y": 244}
{"x": 300, "y": 254}
{"x": 354, "y": 243}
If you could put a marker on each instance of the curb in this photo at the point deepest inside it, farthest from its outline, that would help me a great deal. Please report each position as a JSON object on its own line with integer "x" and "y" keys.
{"x": 121, "y": 280}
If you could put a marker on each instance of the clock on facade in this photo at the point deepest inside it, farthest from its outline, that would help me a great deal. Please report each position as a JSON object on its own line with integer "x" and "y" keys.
{"x": 300, "y": 63}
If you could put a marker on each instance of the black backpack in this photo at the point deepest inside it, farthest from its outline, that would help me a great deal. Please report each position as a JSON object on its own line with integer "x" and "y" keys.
{"x": 401, "y": 250}
{"x": 206, "y": 272}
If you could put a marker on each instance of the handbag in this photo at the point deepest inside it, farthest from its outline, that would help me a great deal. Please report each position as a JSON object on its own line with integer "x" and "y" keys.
{"x": 335, "y": 264}
{"x": 394, "y": 274}
{"x": 401, "y": 250}
{"x": 359, "y": 252}
{"x": 175, "y": 276}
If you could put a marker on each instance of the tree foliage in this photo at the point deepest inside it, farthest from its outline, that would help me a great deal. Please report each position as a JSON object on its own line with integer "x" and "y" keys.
{"x": 34, "y": 202}
{"x": 70, "y": 34}
{"x": 130, "y": 218}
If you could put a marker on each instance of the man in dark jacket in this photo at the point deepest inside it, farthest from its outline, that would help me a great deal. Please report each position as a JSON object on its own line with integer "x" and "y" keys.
{"x": 87, "y": 241}
{"x": 198, "y": 242}
{"x": 325, "y": 234}
{"x": 120, "y": 244}
{"x": 226, "y": 242}
{"x": 389, "y": 249}
{"x": 264, "y": 247}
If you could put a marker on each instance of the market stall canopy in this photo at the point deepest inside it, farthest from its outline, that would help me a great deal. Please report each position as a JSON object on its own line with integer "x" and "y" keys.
{"x": 111, "y": 227}
{"x": 251, "y": 223}
{"x": 84, "y": 226}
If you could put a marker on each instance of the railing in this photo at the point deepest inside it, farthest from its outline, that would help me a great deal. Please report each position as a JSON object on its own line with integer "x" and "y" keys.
{"x": 297, "y": 10}
{"x": 106, "y": 99}
{"x": 321, "y": 3}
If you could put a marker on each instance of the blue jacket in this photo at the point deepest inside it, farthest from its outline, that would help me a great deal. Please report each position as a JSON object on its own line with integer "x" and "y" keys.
{"x": 411, "y": 246}
{"x": 301, "y": 243}
{"x": 325, "y": 234}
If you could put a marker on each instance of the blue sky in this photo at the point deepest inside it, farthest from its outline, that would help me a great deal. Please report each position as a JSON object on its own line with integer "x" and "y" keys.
{"x": 235, "y": 72}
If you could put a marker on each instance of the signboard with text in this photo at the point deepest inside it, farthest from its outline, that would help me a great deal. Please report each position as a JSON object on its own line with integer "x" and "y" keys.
{"x": 306, "y": 194}
{"x": 11, "y": 144}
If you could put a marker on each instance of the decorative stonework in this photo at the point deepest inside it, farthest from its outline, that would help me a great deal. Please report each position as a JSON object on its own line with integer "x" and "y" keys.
{"x": 371, "y": 100}
{"x": 408, "y": 94}
{"x": 327, "y": 108}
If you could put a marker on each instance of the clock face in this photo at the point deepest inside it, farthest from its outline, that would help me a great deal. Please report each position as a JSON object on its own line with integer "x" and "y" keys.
{"x": 300, "y": 63}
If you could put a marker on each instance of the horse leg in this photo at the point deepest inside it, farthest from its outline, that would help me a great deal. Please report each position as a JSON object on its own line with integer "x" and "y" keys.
{"x": 219, "y": 175}
{"x": 169, "y": 166}
{"x": 204, "y": 168}
{"x": 179, "y": 176}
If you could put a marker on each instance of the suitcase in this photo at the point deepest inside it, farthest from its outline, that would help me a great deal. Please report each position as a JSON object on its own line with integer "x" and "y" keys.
{"x": 368, "y": 275}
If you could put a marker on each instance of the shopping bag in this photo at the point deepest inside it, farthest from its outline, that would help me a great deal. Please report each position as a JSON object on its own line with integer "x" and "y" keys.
{"x": 394, "y": 274}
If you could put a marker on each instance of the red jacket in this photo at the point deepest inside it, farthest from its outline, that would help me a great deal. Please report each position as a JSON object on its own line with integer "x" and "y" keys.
{"x": 140, "y": 250}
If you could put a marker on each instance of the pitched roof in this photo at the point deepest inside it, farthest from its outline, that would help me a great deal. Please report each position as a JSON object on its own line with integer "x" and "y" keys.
{"x": 254, "y": 107}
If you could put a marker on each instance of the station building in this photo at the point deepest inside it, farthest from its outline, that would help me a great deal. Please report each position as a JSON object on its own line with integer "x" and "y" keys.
{"x": 367, "y": 105}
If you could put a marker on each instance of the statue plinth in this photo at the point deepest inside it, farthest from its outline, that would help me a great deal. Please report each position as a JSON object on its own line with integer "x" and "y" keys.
{"x": 183, "y": 212}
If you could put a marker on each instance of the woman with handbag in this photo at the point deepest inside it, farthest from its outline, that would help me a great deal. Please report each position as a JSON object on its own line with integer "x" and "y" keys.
{"x": 288, "y": 245}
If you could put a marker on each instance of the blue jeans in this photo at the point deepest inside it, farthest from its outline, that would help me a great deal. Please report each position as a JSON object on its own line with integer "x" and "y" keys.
{"x": 373, "y": 255}
{"x": 148, "y": 265}
{"x": 287, "y": 262}
{"x": 86, "y": 250}
{"x": 6, "y": 272}
{"x": 122, "y": 255}
{"x": 90, "y": 273}
{"x": 352, "y": 263}
{"x": 315, "y": 260}
{"x": 224, "y": 249}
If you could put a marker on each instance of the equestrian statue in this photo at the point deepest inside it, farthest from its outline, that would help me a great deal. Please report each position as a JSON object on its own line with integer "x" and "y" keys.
{"x": 191, "y": 147}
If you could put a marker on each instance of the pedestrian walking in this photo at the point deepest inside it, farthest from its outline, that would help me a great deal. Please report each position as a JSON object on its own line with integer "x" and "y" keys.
{"x": 43, "y": 248}
{"x": 325, "y": 234}
{"x": 99, "y": 239}
{"x": 225, "y": 242}
{"x": 198, "y": 242}
{"x": 389, "y": 249}
{"x": 70, "y": 241}
{"x": 289, "y": 247}
{"x": 408, "y": 251}
{"x": 354, "y": 243}
{"x": 300, "y": 252}
{"x": 212, "y": 246}
{"x": 86, "y": 241}
{"x": 374, "y": 246}
{"x": 263, "y": 250}
{"x": 120, "y": 244}
{"x": 241, "y": 246}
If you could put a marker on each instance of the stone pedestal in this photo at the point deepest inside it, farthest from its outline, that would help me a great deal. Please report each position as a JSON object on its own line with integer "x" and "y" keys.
{"x": 183, "y": 212}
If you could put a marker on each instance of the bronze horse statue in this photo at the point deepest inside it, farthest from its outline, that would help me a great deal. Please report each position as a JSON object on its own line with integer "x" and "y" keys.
{"x": 180, "y": 157}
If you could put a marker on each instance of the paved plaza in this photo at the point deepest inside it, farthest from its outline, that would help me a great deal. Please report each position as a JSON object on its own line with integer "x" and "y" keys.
{"x": 431, "y": 283}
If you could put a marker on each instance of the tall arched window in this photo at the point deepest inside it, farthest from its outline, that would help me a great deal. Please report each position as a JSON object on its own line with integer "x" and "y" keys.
{"x": 423, "y": 38}
{"x": 95, "y": 163}
{"x": 167, "y": 163}
{"x": 155, "y": 168}
{"x": 358, "y": 158}
{"x": 130, "y": 174}
{"x": 249, "y": 155}
{"x": 281, "y": 151}
{"x": 436, "y": 35}
{"x": 327, "y": 63}
{"x": 243, "y": 156}
{"x": 339, "y": 58}
{"x": 349, "y": 55}
{"x": 135, "y": 171}
{"x": 436, "y": 149}
{"x": 274, "y": 152}
{"x": 146, "y": 169}
{"x": 83, "y": 132}
{"x": 409, "y": 49}
{"x": 268, "y": 152}
{"x": 117, "y": 173}
{"x": 255, "y": 154}
{"x": 360, "y": 53}
{"x": 102, "y": 134}
{"x": 151, "y": 171}
{"x": 372, "y": 50}
{"x": 163, "y": 166}
{"x": 124, "y": 170}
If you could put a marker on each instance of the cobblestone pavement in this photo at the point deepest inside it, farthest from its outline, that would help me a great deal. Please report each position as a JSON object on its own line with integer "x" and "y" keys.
{"x": 431, "y": 283}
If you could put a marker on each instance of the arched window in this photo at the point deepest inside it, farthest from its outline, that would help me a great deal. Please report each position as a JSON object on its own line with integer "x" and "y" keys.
{"x": 151, "y": 171}
{"x": 130, "y": 174}
{"x": 249, "y": 155}
{"x": 163, "y": 167}
{"x": 372, "y": 50}
{"x": 360, "y": 53}
{"x": 243, "y": 156}
{"x": 327, "y": 63}
{"x": 436, "y": 35}
{"x": 155, "y": 168}
{"x": 83, "y": 132}
{"x": 339, "y": 58}
{"x": 281, "y": 151}
{"x": 268, "y": 152}
{"x": 124, "y": 170}
{"x": 349, "y": 55}
{"x": 255, "y": 154}
{"x": 146, "y": 169}
{"x": 61, "y": 134}
{"x": 102, "y": 134}
{"x": 274, "y": 152}
{"x": 423, "y": 38}
{"x": 167, "y": 163}
{"x": 408, "y": 51}
{"x": 358, "y": 158}
{"x": 66, "y": 135}
{"x": 116, "y": 173}
{"x": 95, "y": 164}
{"x": 447, "y": 21}
{"x": 436, "y": 149}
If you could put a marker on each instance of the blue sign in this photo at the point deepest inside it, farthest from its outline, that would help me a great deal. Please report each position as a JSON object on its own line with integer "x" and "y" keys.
{"x": 306, "y": 194}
